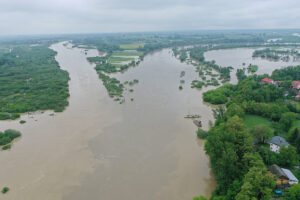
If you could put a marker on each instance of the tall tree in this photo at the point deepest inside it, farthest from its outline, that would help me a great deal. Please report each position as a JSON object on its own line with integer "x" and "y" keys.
{"x": 262, "y": 133}
{"x": 258, "y": 184}
{"x": 288, "y": 156}
{"x": 287, "y": 119}
{"x": 226, "y": 145}
{"x": 294, "y": 192}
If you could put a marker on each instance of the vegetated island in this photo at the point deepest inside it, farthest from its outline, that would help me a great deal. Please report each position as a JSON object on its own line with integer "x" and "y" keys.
{"x": 115, "y": 60}
{"x": 7, "y": 137}
{"x": 205, "y": 69}
{"x": 31, "y": 80}
{"x": 277, "y": 54}
{"x": 239, "y": 144}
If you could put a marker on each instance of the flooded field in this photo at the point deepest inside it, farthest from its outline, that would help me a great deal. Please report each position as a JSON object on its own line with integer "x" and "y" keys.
{"x": 100, "y": 149}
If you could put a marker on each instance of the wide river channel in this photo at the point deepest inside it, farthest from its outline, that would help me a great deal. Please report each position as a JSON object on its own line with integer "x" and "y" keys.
{"x": 99, "y": 149}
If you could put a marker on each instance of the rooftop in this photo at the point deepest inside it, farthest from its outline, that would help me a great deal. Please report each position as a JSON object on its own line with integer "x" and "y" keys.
{"x": 280, "y": 141}
{"x": 290, "y": 175}
{"x": 275, "y": 169}
{"x": 267, "y": 80}
{"x": 296, "y": 84}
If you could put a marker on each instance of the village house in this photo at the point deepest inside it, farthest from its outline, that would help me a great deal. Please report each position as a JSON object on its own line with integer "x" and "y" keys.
{"x": 282, "y": 180}
{"x": 291, "y": 176}
{"x": 267, "y": 80}
{"x": 276, "y": 143}
{"x": 296, "y": 85}
{"x": 285, "y": 177}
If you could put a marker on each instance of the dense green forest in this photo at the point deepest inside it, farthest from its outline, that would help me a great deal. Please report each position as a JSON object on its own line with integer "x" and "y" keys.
{"x": 237, "y": 143}
{"x": 30, "y": 80}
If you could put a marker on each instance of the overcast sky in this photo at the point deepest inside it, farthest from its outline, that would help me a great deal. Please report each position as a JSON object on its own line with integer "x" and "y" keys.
{"x": 96, "y": 16}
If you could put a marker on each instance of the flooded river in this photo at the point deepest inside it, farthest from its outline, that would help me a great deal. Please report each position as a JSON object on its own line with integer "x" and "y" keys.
{"x": 100, "y": 149}
{"x": 236, "y": 58}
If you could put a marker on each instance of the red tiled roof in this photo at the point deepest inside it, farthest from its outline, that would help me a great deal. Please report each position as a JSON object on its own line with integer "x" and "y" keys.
{"x": 267, "y": 80}
{"x": 296, "y": 84}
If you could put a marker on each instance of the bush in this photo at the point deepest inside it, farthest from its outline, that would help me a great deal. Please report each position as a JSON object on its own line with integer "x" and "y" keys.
{"x": 8, "y": 136}
{"x": 5, "y": 190}
{"x": 12, "y": 134}
{"x": 218, "y": 96}
{"x": 202, "y": 134}
{"x": 4, "y": 116}
{"x": 214, "y": 97}
{"x": 200, "y": 198}
{"x": 6, "y": 147}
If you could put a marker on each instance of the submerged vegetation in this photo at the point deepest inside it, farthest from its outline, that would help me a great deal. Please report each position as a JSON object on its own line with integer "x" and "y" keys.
{"x": 276, "y": 54}
{"x": 204, "y": 68}
{"x": 114, "y": 86}
{"x": 7, "y": 137}
{"x": 5, "y": 190}
{"x": 113, "y": 62}
{"x": 30, "y": 80}
{"x": 252, "y": 68}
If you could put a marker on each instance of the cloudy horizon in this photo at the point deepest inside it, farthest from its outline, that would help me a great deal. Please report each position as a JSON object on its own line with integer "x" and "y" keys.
{"x": 105, "y": 16}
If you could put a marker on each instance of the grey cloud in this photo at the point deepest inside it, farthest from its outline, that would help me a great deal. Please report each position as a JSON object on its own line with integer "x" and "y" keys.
{"x": 69, "y": 16}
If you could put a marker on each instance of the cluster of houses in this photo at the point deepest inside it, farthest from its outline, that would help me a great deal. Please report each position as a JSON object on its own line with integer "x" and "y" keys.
{"x": 295, "y": 86}
{"x": 285, "y": 177}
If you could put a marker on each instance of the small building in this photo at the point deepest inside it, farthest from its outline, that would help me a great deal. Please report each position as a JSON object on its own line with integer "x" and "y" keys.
{"x": 296, "y": 85}
{"x": 282, "y": 179}
{"x": 291, "y": 177}
{"x": 276, "y": 143}
{"x": 267, "y": 80}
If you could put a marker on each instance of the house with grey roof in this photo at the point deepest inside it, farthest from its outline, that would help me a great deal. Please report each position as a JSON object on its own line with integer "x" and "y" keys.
{"x": 285, "y": 177}
{"x": 290, "y": 175}
{"x": 276, "y": 143}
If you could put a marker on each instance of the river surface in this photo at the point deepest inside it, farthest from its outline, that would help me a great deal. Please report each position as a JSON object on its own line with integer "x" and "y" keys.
{"x": 100, "y": 149}
{"x": 236, "y": 58}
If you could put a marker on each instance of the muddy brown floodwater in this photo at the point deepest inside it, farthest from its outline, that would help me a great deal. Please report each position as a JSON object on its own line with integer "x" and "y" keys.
{"x": 236, "y": 58}
{"x": 99, "y": 149}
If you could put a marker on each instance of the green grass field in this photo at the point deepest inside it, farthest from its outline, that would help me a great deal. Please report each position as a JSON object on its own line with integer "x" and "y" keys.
{"x": 119, "y": 59}
{"x": 127, "y": 53}
{"x": 132, "y": 46}
{"x": 254, "y": 120}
